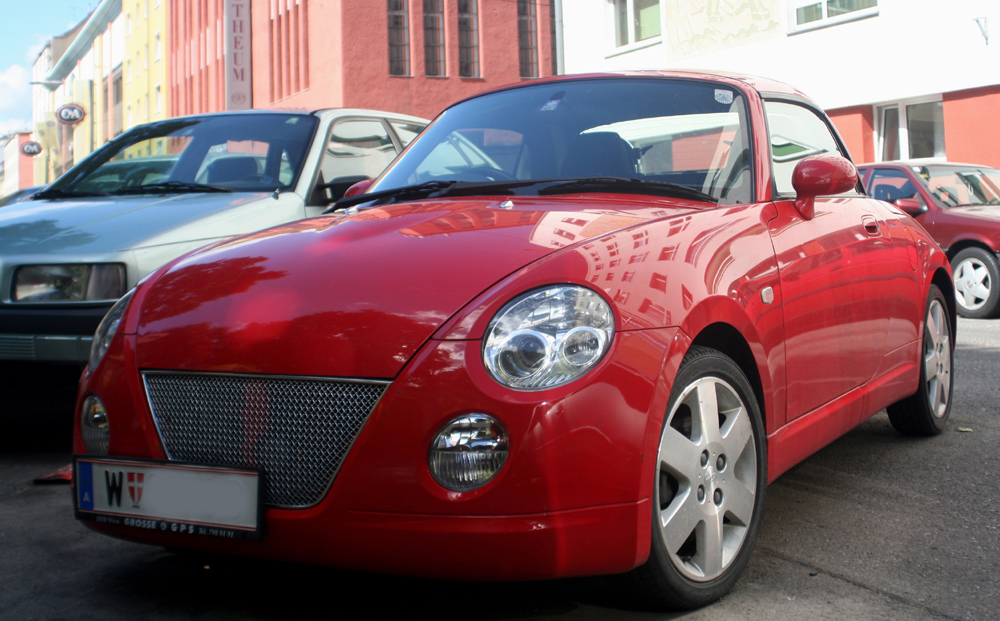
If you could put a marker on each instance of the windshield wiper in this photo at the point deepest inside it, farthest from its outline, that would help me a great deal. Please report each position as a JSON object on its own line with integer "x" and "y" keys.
{"x": 627, "y": 186}
{"x": 420, "y": 190}
{"x": 171, "y": 187}
{"x": 60, "y": 193}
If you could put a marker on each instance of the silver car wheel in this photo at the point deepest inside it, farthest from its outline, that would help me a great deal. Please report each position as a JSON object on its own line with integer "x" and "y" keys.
{"x": 937, "y": 358}
{"x": 707, "y": 479}
{"x": 972, "y": 283}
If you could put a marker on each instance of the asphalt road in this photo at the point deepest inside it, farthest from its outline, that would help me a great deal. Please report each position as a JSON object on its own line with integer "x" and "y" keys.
{"x": 875, "y": 526}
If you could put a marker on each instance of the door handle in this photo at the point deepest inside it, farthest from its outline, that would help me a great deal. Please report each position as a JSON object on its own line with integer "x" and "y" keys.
{"x": 871, "y": 225}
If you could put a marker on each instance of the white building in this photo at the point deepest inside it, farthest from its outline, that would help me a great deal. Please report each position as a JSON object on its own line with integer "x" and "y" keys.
{"x": 900, "y": 78}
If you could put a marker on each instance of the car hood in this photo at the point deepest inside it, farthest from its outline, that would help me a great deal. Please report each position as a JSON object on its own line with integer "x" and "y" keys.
{"x": 89, "y": 226}
{"x": 988, "y": 213}
{"x": 357, "y": 296}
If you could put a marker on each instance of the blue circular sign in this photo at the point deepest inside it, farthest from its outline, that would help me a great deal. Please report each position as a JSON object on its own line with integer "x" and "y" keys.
{"x": 31, "y": 148}
{"x": 70, "y": 114}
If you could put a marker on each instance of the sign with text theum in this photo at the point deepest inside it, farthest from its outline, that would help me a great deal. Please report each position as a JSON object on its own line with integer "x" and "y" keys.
{"x": 239, "y": 78}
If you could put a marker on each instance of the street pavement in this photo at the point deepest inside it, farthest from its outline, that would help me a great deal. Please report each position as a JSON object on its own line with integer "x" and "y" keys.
{"x": 875, "y": 526}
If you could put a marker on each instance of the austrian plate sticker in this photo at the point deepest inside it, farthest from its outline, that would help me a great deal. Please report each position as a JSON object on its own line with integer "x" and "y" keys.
{"x": 169, "y": 496}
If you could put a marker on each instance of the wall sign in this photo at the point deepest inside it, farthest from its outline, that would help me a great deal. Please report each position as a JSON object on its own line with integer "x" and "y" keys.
{"x": 238, "y": 66}
{"x": 31, "y": 148}
{"x": 70, "y": 114}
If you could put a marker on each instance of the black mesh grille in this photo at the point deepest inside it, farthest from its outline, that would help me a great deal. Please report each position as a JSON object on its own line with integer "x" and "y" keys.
{"x": 297, "y": 430}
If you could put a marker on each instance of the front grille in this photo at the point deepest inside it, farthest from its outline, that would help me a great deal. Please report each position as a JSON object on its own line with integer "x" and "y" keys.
{"x": 297, "y": 430}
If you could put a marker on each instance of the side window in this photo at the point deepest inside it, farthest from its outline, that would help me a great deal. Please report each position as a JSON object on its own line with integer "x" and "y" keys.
{"x": 796, "y": 133}
{"x": 357, "y": 148}
{"x": 889, "y": 184}
{"x": 406, "y": 131}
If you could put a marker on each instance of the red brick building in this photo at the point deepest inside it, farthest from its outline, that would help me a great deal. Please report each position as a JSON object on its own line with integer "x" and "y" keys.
{"x": 410, "y": 56}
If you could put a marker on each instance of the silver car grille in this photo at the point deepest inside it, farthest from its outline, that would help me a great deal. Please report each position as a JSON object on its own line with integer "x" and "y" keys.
{"x": 296, "y": 429}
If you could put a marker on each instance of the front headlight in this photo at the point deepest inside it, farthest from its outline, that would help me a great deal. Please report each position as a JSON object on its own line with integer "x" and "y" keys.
{"x": 94, "y": 426}
{"x": 69, "y": 283}
{"x": 107, "y": 328}
{"x": 548, "y": 337}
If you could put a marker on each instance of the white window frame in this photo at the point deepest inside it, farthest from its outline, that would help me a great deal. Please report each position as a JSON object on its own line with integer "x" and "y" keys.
{"x": 794, "y": 5}
{"x": 904, "y": 138}
{"x": 632, "y": 44}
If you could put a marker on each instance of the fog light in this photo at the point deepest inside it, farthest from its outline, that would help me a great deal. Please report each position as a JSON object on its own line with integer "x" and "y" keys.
{"x": 468, "y": 452}
{"x": 94, "y": 426}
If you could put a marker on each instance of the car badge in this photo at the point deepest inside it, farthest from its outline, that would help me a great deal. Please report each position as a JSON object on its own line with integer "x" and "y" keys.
{"x": 135, "y": 484}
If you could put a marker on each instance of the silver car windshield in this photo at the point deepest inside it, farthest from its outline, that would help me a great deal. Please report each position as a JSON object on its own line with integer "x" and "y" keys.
{"x": 227, "y": 152}
{"x": 647, "y": 131}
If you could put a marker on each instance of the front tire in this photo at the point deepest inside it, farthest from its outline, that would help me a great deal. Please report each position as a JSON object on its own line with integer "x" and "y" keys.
{"x": 925, "y": 412}
{"x": 708, "y": 496}
{"x": 977, "y": 283}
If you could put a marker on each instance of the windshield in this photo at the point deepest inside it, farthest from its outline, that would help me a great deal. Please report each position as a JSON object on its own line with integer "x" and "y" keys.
{"x": 241, "y": 152}
{"x": 649, "y": 130}
{"x": 955, "y": 186}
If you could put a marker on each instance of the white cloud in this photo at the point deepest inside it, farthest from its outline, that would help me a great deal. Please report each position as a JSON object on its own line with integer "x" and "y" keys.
{"x": 15, "y": 98}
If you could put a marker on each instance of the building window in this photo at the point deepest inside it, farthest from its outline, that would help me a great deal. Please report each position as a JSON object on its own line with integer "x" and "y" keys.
{"x": 434, "y": 38}
{"x": 468, "y": 38}
{"x": 158, "y": 46}
{"x": 399, "y": 38}
{"x": 809, "y": 14}
{"x": 911, "y": 130}
{"x": 159, "y": 99}
{"x": 636, "y": 20}
{"x": 288, "y": 44}
{"x": 527, "y": 38}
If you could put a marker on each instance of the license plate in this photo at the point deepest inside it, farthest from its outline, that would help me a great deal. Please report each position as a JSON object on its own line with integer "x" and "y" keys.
{"x": 169, "y": 497}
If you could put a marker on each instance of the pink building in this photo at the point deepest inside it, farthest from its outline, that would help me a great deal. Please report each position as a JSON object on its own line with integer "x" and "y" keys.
{"x": 410, "y": 56}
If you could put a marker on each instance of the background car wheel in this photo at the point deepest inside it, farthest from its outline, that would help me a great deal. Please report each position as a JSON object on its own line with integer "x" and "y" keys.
{"x": 708, "y": 497}
{"x": 977, "y": 283}
{"x": 925, "y": 412}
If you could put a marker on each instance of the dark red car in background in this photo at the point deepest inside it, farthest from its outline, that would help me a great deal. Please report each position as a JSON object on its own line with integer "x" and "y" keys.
{"x": 959, "y": 205}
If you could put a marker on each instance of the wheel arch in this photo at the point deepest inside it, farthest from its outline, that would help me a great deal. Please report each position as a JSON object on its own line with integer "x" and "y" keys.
{"x": 725, "y": 338}
{"x": 968, "y": 242}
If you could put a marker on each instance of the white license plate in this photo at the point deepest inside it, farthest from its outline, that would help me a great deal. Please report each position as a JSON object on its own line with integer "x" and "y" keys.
{"x": 169, "y": 497}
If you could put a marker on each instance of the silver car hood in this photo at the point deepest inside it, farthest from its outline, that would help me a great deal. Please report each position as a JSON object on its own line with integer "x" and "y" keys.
{"x": 89, "y": 226}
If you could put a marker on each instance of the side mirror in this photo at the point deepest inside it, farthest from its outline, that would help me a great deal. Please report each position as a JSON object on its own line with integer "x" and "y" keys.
{"x": 912, "y": 206}
{"x": 359, "y": 188}
{"x": 821, "y": 175}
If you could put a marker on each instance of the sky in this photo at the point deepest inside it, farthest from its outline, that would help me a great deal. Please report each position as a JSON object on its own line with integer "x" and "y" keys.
{"x": 27, "y": 25}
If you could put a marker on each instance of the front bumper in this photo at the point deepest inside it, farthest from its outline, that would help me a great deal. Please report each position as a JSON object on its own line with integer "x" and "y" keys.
{"x": 48, "y": 334}
{"x": 573, "y": 498}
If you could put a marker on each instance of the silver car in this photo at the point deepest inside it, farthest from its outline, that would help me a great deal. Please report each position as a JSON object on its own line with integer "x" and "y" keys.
{"x": 160, "y": 190}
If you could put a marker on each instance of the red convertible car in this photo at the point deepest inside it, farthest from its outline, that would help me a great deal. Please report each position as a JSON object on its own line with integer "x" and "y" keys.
{"x": 575, "y": 329}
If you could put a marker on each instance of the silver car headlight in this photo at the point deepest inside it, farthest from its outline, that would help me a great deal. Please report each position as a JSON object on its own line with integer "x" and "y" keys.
{"x": 107, "y": 328}
{"x": 548, "y": 337}
{"x": 69, "y": 283}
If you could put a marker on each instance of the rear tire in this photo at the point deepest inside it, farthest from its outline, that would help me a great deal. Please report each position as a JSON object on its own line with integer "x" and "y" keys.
{"x": 708, "y": 495}
{"x": 926, "y": 411}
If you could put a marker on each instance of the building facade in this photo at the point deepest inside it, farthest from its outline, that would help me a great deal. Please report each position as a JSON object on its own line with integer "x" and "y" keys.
{"x": 79, "y": 69}
{"x": 901, "y": 79}
{"x": 143, "y": 70}
{"x": 18, "y": 169}
{"x": 408, "y": 56}
{"x": 134, "y": 61}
